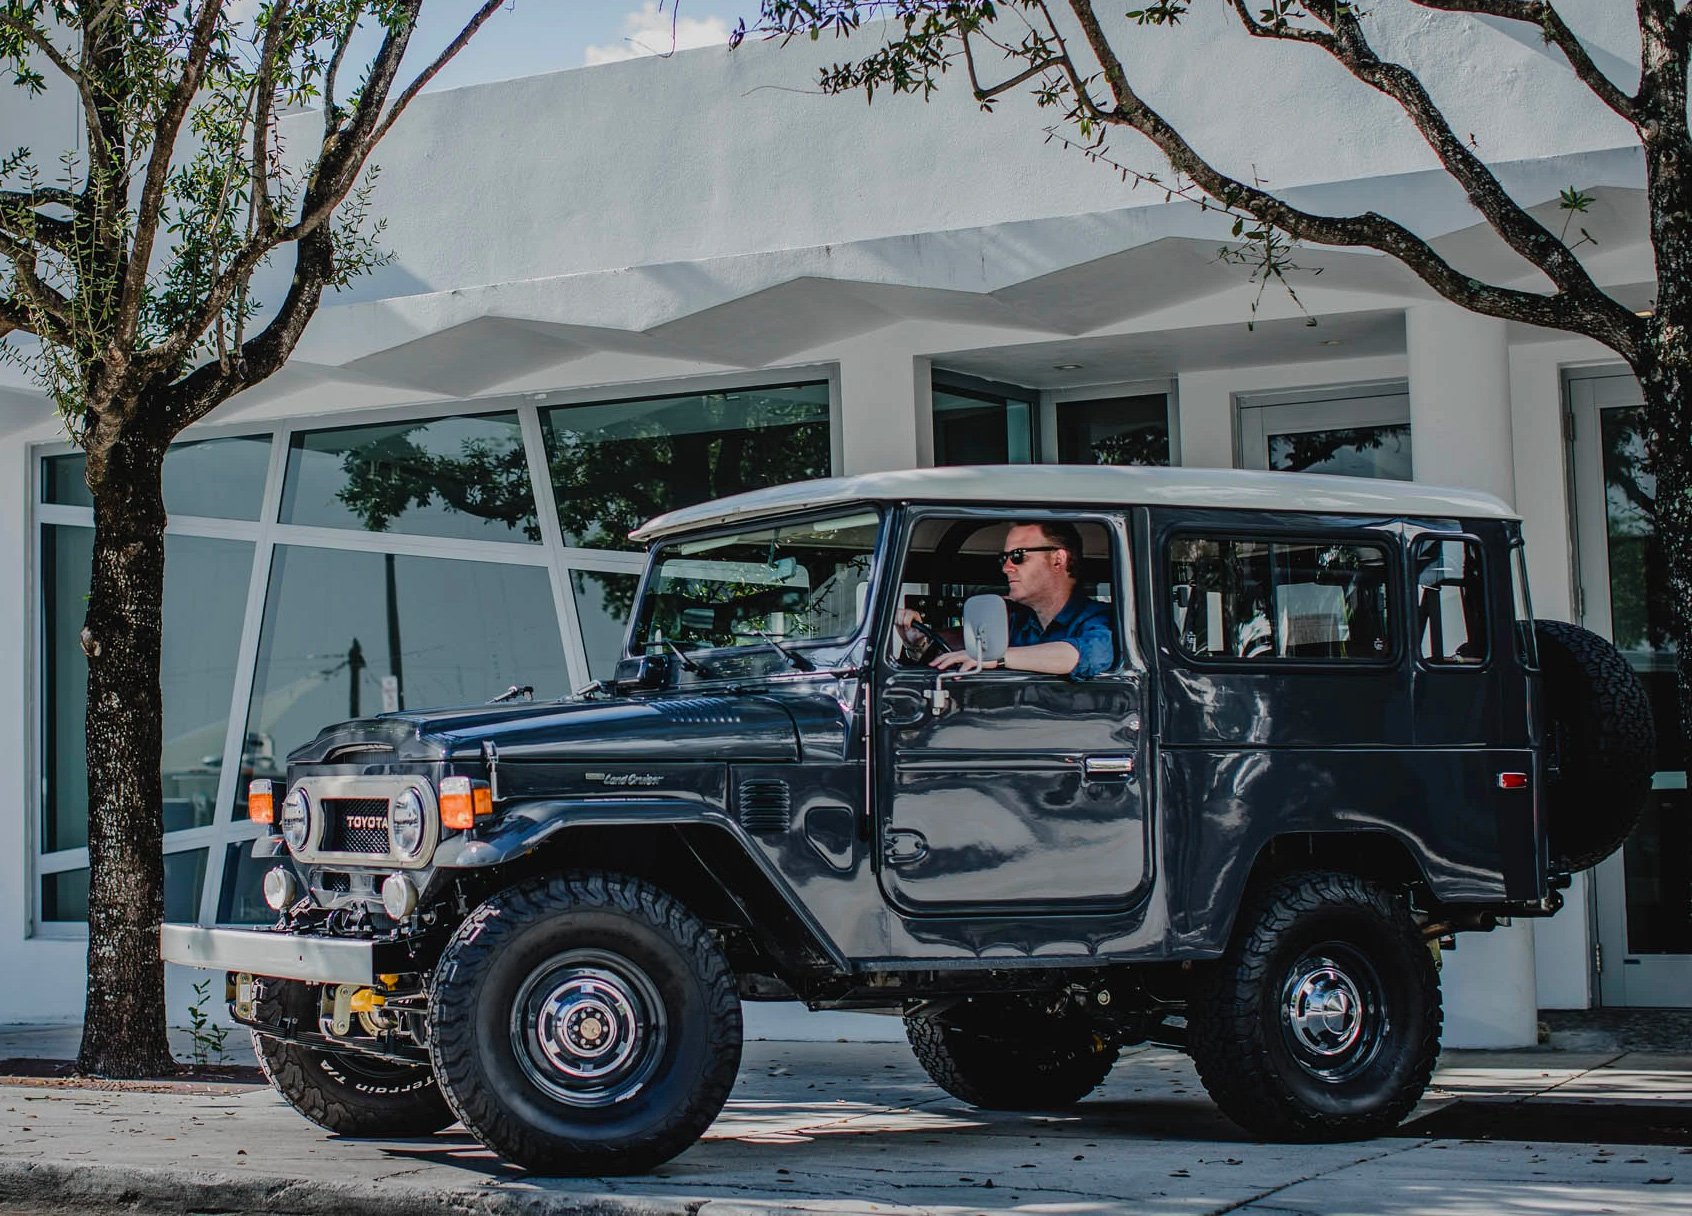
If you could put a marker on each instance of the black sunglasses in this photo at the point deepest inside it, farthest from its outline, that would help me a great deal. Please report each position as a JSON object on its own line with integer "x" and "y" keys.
{"x": 1017, "y": 556}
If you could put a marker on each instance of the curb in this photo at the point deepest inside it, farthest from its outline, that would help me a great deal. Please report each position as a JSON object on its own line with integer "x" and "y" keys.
{"x": 40, "y": 1186}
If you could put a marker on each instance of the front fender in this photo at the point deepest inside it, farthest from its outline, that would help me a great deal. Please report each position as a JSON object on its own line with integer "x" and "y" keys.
{"x": 525, "y": 828}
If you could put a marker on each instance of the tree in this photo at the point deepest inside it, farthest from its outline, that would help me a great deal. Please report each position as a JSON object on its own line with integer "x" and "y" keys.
{"x": 127, "y": 288}
{"x": 1073, "y": 63}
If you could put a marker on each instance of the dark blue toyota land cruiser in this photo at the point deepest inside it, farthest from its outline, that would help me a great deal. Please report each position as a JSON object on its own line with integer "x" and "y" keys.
{"x": 1047, "y": 761}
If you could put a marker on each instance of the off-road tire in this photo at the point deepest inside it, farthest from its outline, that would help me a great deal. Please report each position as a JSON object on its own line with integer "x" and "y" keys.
{"x": 537, "y": 941}
{"x": 345, "y": 1092}
{"x": 1010, "y": 1055}
{"x": 1602, "y": 742}
{"x": 1259, "y": 1069}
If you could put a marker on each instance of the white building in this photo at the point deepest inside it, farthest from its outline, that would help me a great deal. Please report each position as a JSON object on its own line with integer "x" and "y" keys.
{"x": 660, "y": 260}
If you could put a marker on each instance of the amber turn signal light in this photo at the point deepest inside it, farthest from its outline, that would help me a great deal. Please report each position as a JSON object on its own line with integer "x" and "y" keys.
{"x": 463, "y": 800}
{"x": 261, "y": 801}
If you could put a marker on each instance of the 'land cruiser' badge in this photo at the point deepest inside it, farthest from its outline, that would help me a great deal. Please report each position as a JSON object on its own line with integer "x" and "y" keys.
{"x": 624, "y": 778}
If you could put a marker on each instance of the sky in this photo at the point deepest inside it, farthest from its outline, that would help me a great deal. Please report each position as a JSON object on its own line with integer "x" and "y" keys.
{"x": 527, "y": 37}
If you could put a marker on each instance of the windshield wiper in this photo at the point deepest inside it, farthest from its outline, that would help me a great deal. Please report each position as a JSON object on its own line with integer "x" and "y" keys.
{"x": 517, "y": 692}
{"x": 794, "y": 659}
{"x": 688, "y": 664}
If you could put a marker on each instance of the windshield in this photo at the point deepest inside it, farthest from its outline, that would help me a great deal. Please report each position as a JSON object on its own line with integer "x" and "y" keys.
{"x": 790, "y": 582}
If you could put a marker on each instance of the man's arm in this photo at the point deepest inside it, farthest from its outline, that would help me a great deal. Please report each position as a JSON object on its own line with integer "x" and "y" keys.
{"x": 1049, "y": 658}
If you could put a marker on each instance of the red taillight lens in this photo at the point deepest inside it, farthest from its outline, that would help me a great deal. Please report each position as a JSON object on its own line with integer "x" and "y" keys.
{"x": 1512, "y": 781}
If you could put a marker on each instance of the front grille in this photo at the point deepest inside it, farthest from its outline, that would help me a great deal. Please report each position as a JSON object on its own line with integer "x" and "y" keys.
{"x": 355, "y": 825}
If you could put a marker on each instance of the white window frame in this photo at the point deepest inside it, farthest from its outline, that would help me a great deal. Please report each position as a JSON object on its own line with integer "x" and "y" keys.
{"x": 267, "y": 532}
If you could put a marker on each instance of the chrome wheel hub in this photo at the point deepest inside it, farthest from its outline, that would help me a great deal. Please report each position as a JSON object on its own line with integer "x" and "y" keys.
{"x": 588, "y": 1028}
{"x": 1323, "y": 1009}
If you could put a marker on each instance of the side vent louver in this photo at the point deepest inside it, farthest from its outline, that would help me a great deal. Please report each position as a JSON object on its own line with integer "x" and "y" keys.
{"x": 765, "y": 806}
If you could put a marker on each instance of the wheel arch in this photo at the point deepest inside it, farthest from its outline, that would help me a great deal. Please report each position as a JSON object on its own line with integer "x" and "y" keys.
{"x": 702, "y": 861}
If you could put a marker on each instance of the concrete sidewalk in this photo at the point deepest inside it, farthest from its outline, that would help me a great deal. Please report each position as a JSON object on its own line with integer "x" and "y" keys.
{"x": 848, "y": 1127}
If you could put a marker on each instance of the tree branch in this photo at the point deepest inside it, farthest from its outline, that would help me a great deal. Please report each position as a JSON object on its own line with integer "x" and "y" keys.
{"x": 427, "y": 74}
{"x": 1520, "y": 230}
{"x": 19, "y": 212}
{"x": 984, "y": 94}
{"x": 52, "y": 307}
{"x": 165, "y": 130}
{"x": 332, "y": 111}
{"x": 1595, "y": 315}
{"x": 1540, "y": 13}
{"x": 264, "y": 100}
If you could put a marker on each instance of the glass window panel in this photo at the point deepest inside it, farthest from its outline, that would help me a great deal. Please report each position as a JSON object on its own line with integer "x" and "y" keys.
{"x": 1658, "y": 863}
{"x": 458, "y": 477}
{"x": 1114, "y": 430}
{"x": 221, "y": 478}
{"x": 64, "y": 896}
{"x": 603, "y": 604}
{"x": 618, "y": 464}
{"x": 1450, "y": 602}
{"x": 339, "y": 624}
{"x": 1362, "y": 451}
{"x": 981, "y": 428}
{"x": 205, "y": 601}
{"x": 1263, "y": 601}
{"x": 241, "y": 900}
{"x": 1639, "y": 592}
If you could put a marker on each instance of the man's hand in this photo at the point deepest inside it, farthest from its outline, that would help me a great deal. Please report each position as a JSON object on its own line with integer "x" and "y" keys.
{"x": 957, "y": 658}
{"x": 903, "y": 620}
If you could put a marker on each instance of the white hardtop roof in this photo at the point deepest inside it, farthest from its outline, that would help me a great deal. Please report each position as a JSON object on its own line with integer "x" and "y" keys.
{"x": 1060, "y": 485}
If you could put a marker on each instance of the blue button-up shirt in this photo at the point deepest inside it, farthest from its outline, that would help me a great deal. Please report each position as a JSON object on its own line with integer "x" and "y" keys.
{"x": 1083, "y": 622}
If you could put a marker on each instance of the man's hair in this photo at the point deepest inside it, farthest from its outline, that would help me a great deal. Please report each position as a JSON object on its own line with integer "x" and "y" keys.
{"x": 1066, "y": 536}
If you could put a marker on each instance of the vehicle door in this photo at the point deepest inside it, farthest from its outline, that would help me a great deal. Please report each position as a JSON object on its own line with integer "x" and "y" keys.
{"x": 1011, "y": 790}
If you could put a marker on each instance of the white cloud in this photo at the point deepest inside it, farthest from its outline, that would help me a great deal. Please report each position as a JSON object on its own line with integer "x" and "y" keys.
{"x": 655, "y": 30}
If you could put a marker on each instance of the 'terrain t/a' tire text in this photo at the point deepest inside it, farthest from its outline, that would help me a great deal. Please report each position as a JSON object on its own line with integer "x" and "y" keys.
{"x": 1322, "y": 1020}
{"x": 349, "y": 1093}
{"x": 585, "y": 1024}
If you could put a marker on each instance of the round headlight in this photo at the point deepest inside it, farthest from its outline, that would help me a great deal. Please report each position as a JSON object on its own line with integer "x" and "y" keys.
{"x": 405, "y": 823}
{"x": 296, "y": 819}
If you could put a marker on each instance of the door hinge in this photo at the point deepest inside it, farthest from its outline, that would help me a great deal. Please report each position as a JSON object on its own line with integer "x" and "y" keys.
{"x": 1579, "y": 602}
{"x": 1598, "y": 958}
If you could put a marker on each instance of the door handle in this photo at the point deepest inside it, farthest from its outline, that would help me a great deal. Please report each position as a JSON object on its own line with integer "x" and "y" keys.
{"x": 1108, "y": 768}
{"x": 904, "y": 847}
{"x": 903, "y": 708}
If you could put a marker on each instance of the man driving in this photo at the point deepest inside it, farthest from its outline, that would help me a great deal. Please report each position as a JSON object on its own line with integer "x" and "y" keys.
{"x": 1055, "y": 627}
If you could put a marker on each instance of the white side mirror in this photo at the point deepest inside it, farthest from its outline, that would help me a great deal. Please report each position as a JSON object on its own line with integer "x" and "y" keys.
{"x": 986, "y": 628}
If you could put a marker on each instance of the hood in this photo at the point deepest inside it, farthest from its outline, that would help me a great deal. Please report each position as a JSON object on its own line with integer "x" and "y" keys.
{"x": 667, "y": 729}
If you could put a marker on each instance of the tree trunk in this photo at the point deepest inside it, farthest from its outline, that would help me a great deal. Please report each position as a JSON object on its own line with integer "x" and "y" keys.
{"x": 1668, "y": 413}
{"x": 124, "y": 1024}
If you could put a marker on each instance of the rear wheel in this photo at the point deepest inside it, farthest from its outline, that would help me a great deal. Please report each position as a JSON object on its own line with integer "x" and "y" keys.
{"x": 1322, "y": 1020}
{"x": 585, "y": 1025}
{"x": 1011, "y": 1053}
{"x": 349, "y": 1093}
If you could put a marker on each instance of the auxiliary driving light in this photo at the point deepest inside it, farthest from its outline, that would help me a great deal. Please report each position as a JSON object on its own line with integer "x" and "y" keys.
{"x": 399, "y": 896}
{"x": 281, "y": 888}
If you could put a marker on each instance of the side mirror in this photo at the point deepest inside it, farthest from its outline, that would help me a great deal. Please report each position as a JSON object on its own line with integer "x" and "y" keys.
{"x": 986, "y": 628}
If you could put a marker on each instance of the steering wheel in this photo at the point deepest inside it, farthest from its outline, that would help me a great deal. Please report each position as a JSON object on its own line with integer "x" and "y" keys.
{"x": 932, "y": 635}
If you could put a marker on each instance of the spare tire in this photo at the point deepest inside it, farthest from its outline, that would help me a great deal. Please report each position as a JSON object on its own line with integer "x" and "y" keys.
{"x": 1601, "y": 744}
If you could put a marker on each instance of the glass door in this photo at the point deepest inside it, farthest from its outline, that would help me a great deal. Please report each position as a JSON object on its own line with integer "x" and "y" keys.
{"x": 1644, "y": 893}
{"x": 1360, "y": 432}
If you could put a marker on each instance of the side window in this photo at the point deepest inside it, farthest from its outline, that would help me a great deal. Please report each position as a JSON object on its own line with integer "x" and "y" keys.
{"x": 950, "y": 559}
{"x": 1245, "y": 599}
{"x": 1450, "y": 602}
{"x": 1527, "y": 646}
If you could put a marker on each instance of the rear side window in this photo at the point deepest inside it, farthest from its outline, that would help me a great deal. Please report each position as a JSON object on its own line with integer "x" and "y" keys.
{"x": 1450, "y": 602}
{"x": 1259, "y": 600}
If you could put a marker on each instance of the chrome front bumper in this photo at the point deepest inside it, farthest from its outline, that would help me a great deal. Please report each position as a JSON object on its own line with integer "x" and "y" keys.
{"x": 321, "y": 960}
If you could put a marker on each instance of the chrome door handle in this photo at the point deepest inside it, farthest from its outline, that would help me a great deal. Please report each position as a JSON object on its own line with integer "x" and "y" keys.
{"x": 1106, "y": 768}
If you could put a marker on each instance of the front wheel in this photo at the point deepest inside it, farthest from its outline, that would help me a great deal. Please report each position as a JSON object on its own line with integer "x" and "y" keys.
{"x": 1322, "y": 1020}
{"x": 344, "y": 1091}
{"x": 587, "y": 1024}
